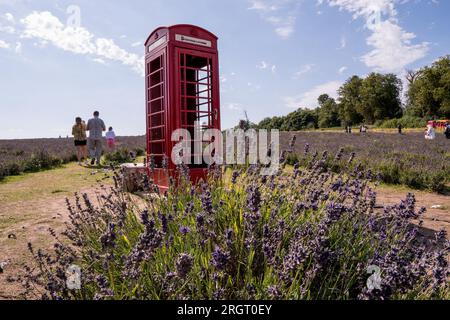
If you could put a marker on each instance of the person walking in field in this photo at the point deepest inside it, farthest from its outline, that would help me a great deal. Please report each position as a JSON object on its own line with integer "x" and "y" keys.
{"x": 447, "y": 130}
{"x": 111, "y": 138}
{"x": 400, "y": 128}
{"x": 79, "y": 135}
{"x": 430, "y": 133}
{"x": 96, "y": 126}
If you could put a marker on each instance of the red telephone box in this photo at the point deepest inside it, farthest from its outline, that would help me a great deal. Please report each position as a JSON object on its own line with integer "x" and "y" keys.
{"x": 182, "y": 87}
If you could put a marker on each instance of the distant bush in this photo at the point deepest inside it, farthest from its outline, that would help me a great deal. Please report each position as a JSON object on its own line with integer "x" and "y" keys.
{"x": 140, "y": 152}
{"x": 405, "y": 122}
{"x": 3, "y": 172}
{"x": 41, "y": 161}
{"x": 14, "y": 168}
{"x": 437, "y": 182}
{"x": 119, "y": 156}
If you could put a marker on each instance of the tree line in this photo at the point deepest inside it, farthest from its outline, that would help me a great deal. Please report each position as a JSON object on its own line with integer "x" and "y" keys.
{"x": 375, "y": 100}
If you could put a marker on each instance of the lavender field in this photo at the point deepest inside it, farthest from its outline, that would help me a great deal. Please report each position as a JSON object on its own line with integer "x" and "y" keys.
{"x": 310, "y": 232}
{"x": 406, "y": 159}
{"x": 31, "y": 155}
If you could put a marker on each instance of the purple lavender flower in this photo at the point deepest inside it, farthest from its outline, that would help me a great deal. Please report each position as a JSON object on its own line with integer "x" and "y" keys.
{"x": 206, "y": 198}
{"x": 234, "y": 177}
{"x": 306, "y": 151}
{"x": 104, "y": 291}
{"x": 253, "y": 198}
{"x": 274, "y": 292}
{"x": 220, "y": 258}
{"x": 108, "y": 239}
{"x": 292, "y": 143}
{"x": 200, "y": 220}
{"x": 164, "y": 222}
{"x": 184, "y": 230}
{"x": 184, "y": 264}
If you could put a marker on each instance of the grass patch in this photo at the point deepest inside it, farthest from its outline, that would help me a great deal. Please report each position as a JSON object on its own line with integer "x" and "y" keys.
{"x": 62, "y": 181}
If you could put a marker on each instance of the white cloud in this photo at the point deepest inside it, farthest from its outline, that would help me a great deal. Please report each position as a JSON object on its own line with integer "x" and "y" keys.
{"x": 263, "y": 65}
{"x": 234, "y": 106}
{"x": 253, "y": 87}
{"x": 261, "y": 5}
{"x": 99, "y": 60}
{"x": 343, "y": 42}
{"x": 4, "y": 45}
{"x": 106, "y": 48}
{"x": 9, "y": 17}
{"x": 266, "y": 66}
{"x": 278, "y": 13}
{"x": 18, "y": 48}
{"x": 303, "y": 70}
{"x": 7, "y": 29}
{"x": 7, "y": 22}
{"x": 392, "y": 47}
{"x": 366, "y": 8}
{"x": 136, "y": 44}
{"x": 308, "y": 99}
{"x": 342, "y": 69}
{"x": 46, "y": 28}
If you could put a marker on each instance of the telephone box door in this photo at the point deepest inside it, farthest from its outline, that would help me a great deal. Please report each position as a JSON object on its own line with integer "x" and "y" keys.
{"x": 196, "y": 97}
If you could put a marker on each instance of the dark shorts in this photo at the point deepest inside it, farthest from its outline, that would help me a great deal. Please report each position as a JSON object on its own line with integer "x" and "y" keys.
{"x": 80, "y": 143}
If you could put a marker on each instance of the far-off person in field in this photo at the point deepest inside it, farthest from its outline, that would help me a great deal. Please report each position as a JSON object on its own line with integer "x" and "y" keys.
{"x": 111, "y": 138}
{"x": 430, "y": 133}
{"x": 96, "y": 126}
{"x": 447, "y": 130}
{"x": 79, "y": 135}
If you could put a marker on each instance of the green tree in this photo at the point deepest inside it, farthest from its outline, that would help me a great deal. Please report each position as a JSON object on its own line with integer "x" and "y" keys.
{"x": 299, "y": 120}
{"x": 328, "y": 112}
{"x": 429, "y": 94}
{"x": 271, "y": 123}
{"x": 380, "y": 97}
{"x": 349, "y": 99}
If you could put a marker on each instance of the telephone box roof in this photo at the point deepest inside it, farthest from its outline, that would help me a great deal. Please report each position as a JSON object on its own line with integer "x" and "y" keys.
{"x": 178, "y": 28}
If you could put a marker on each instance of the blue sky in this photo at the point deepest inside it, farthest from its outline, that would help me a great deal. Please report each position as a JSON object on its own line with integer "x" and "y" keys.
{"x": 275, "y": 55}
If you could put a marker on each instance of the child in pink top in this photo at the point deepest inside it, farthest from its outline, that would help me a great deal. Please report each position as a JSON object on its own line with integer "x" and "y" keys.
{"x": 111, "y": 138}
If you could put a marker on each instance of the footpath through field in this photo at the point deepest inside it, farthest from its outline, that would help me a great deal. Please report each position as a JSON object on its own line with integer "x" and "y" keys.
{"x": 33, "y": 203}
{"x": 29, "y": 206}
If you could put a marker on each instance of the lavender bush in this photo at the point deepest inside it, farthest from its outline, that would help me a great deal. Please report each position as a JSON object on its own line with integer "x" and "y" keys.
{"x": 302, "y": 234}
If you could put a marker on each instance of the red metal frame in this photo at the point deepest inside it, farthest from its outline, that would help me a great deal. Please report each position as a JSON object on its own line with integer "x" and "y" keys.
{"x": 173, "y": 44}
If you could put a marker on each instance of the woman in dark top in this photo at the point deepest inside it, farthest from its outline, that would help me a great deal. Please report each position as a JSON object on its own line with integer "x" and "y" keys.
{"x": 79, "y": 134}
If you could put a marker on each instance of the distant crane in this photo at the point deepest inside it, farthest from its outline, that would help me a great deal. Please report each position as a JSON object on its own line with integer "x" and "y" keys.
{"x": 245, "y": 124}
{"x": 246, "y": 118}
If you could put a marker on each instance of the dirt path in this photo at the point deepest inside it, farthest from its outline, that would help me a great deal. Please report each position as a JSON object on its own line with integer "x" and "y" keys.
{"x": 31, "y": 204}
{"x": 437, "y": 216}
